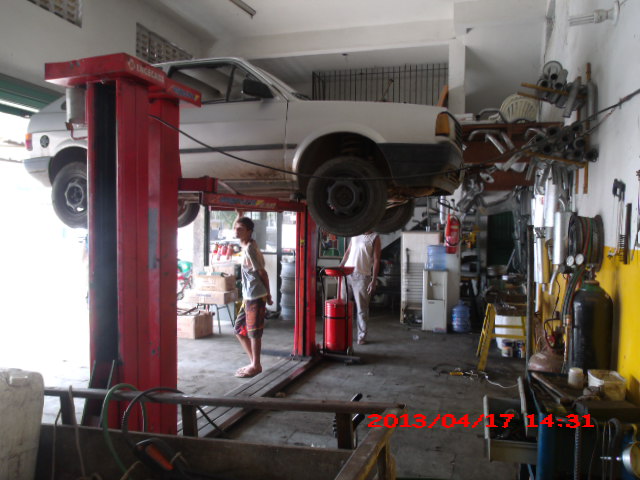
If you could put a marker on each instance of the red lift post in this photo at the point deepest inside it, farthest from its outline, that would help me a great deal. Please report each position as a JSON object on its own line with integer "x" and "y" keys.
{"x": 133, "y": 180}
{"x": 133, "y": 171}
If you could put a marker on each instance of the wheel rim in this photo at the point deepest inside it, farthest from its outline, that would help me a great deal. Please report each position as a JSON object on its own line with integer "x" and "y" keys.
{"x": 74, "y": 195}
{"x": 344, "y": 197}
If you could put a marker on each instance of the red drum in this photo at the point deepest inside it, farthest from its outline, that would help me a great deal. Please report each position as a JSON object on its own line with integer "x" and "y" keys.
{"x": 338, "y": 333}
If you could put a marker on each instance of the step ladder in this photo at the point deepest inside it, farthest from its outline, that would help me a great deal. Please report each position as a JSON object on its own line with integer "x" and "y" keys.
{"x": 488, "y": 334}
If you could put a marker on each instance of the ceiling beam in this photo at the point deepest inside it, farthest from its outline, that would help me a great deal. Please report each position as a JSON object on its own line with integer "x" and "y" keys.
{"x": 468, "y": 14}
{"x": 355, "y": 39}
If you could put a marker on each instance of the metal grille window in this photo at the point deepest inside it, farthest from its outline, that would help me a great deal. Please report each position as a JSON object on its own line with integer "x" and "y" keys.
{"x": 419, "y": 84}
{"x": 70, "y": 10}
{"x": 154, "y": 49}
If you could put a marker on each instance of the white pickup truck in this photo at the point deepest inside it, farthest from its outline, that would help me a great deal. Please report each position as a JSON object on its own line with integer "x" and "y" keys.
{"x": 359, "y": 165}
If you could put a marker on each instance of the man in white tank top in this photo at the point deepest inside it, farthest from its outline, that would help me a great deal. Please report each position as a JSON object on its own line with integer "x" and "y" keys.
{"x": 363, "y": 253}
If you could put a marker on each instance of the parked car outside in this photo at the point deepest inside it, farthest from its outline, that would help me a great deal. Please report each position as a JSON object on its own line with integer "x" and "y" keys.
{"x": 358, "y": 165}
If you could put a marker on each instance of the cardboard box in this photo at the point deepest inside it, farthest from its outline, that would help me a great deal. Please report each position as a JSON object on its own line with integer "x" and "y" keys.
{"x": 211, "y": 297}
{"x": 198, "y": 325}
{"x": 218, "y": 283}
{"x": 226, "y": 267}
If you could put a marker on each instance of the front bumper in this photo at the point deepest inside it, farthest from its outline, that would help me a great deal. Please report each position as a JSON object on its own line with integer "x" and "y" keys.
{"x": 419, "y": 165}
{"x": 38, "y": 167}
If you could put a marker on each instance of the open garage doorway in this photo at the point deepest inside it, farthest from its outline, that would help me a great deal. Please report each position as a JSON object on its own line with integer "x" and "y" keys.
{"x": 44, "y": 316}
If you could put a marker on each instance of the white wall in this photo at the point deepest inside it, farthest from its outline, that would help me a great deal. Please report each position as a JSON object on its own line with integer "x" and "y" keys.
{"x": 353, "y": 39}
{"x": 32, "y": 36}
{"x": 614, "y": 53}
{"x": 503, "y": 43}
{"x": 498, "y": 59}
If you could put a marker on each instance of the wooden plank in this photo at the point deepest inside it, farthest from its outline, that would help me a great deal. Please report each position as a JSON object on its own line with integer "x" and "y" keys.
{"x": 225, "y": 458}
{"x": 444, "y": 97}
{"x": 222, "y": 415}
{"x": 365, "y": 457}
{"x": 266, "y": 378}
{"x": 189, "y": 422}
{"x": 385, "y": 465}
{"x": 67, "y": 409}
{"x": 344, "y": 427}
{"x": 253, "y": 389}
{"x": 300, "y": 405}
{"x": 287, "y": 375}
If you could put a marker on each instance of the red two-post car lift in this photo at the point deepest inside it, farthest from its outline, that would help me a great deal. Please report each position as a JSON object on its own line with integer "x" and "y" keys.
{"x": 133, "y": 178}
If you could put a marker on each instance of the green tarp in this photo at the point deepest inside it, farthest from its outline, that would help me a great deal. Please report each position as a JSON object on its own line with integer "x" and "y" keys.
{"x": 23, "y": 96}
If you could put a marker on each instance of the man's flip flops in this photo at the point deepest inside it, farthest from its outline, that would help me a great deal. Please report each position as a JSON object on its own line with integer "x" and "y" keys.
{"x": 245, "y": 372}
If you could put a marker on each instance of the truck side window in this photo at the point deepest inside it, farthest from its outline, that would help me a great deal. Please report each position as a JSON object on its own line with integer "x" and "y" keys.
{"x": 216, "y": 83}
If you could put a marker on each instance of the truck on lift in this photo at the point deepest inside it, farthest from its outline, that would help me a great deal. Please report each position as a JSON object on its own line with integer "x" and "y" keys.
{"x": 358, "y": 165}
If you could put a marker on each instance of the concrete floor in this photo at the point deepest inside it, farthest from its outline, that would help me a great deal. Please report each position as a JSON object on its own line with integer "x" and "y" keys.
{"x": 44, "y": 320}
{"x": 399, "y": 364}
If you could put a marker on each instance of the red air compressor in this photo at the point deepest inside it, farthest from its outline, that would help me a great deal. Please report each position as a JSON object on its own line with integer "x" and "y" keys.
{"x": 338, "y": 315}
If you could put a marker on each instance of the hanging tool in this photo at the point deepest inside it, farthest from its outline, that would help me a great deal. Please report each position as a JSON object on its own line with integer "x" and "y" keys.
{"x": 618, "y": 191}
{"x": 636, "y": 242}
{"x": 627, "y": 234}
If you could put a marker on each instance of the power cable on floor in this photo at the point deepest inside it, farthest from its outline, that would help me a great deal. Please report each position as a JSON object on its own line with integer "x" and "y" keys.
{"x": 486, "y": 377}
{"x": 473, "y": 375}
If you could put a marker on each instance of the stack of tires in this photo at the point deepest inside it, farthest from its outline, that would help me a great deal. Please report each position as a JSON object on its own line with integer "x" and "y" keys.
{"x": 288, "y": 289}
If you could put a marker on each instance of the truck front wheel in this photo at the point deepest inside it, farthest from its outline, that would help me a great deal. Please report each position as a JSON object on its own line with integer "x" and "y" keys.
{"x": 69, "y": 195}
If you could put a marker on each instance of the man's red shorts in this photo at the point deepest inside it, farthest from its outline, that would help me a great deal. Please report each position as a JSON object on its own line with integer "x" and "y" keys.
{"x": 250, "y": 319}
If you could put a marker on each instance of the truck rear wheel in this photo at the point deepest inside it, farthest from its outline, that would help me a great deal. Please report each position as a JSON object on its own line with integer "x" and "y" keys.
{"x": 347, "y": 197}
{"x": 395, "y": 218}
{"x": 187, "y": 213}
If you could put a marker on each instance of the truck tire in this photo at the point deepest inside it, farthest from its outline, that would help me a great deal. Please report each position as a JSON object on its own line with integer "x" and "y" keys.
{"x": 395, "y": 218}
{"x": 187, "y": 213}
{"x": 343, "y": 199}
{"x": 69, "y": 195}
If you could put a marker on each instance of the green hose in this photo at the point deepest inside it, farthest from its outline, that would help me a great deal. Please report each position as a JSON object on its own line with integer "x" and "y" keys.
{"x": 104, "y": 422}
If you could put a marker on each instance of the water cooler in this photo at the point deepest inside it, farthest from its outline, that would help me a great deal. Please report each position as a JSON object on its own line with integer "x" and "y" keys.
{"x": 434, "y": 301}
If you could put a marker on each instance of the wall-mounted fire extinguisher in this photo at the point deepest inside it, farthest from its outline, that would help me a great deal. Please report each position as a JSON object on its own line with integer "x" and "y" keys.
{"x": 452, "y": 233}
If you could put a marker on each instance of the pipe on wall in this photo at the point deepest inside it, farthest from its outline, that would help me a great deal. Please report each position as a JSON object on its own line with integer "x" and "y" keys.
{"x": 530, "y": 294}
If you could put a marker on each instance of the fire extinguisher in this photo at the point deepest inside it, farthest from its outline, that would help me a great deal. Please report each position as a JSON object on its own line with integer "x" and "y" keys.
{"x": 452, "y": 233}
